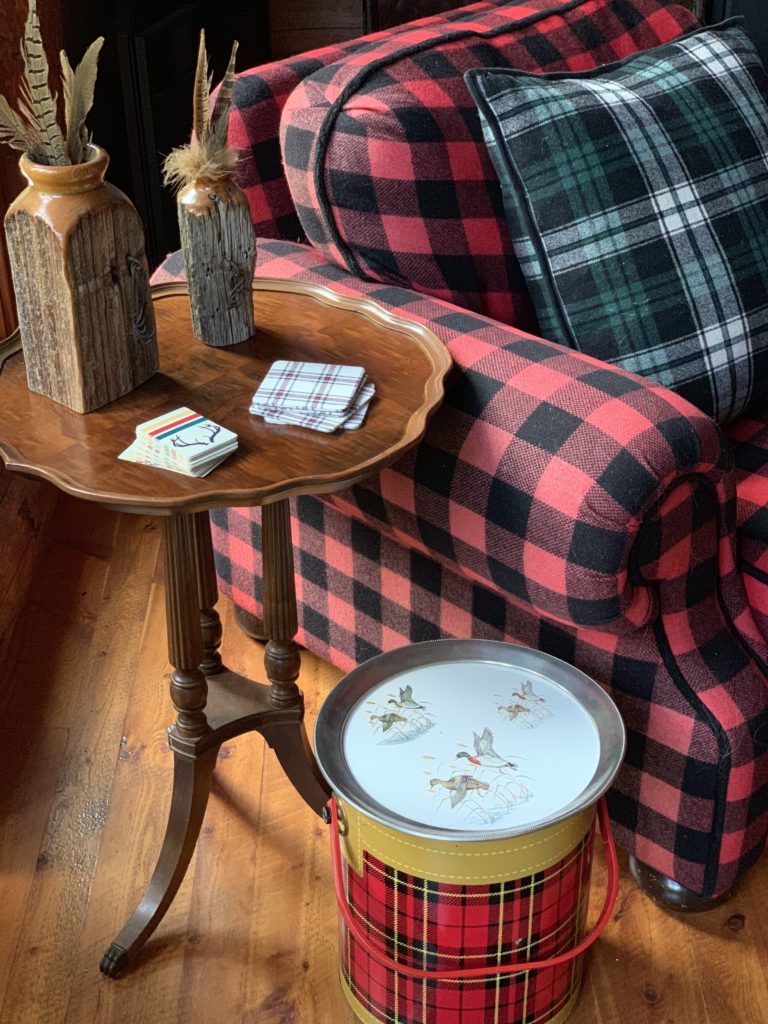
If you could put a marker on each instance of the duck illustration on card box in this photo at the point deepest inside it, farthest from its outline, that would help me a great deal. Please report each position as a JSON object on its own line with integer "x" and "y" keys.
{"x": 401, "y": 719}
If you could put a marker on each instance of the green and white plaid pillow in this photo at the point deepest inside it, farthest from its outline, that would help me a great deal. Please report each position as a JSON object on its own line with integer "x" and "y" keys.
{"x": 637, "y": 198}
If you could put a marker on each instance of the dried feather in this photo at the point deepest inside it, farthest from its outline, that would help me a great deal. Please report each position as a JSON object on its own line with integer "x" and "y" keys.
{"x": 223, "y": 104}
{"x": 201, "y": 109}
{"x": 79, "y": 87}
{"x": 205, "y": 161}
{"x": 36, "y": 91}
{"x": 14, "y": 131}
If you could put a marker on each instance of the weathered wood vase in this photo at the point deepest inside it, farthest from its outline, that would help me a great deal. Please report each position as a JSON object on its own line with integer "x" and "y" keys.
{"x": 219, "y": 247}
{"x": 79, "y": 268}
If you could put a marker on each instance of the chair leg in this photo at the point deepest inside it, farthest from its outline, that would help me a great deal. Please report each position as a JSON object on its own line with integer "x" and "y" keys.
{"x": 669, "y": 894}
{"x": 250, "y": 625}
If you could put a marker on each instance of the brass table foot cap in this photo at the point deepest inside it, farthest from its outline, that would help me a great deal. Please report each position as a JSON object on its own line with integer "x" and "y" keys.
{"x": 113, "y": 961}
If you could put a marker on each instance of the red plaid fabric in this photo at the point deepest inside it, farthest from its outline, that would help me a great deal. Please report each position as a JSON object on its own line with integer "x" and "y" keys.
{"x": 259, "y": 97}
{"x": 438, "y": 926}
{"x": 749, "y": 435}
{"x": 385, "y": 157}
{"x": 490, "y": 530}
{"x": 562, "y": 504}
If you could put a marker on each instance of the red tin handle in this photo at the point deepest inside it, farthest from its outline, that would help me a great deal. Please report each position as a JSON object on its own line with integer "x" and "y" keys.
{"x": 464, "y": 973}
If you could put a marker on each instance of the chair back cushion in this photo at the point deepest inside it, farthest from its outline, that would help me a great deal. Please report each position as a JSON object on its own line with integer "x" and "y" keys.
{"x": 384, "y": 152}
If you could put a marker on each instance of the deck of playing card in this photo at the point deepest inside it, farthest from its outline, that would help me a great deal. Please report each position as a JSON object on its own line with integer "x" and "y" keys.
{"x": 183, "y": 441}
{"x": 320, "y": 396}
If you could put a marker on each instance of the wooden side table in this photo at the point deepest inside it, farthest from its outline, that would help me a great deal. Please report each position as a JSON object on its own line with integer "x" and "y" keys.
{"x": 78, "y": 454}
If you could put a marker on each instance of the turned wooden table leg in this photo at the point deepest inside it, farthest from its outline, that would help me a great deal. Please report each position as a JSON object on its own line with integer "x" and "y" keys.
{"x": 194, "y": 760}
{"x": 282, "y": 660}
{"x": 208, "y": 595}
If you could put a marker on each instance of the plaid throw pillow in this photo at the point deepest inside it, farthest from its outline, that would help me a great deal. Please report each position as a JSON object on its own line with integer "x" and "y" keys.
{"x": 637, "y": 199}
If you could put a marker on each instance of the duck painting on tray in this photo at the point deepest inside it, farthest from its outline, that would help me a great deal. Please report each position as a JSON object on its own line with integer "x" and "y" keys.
{"x": 525, "y": 707}
{"x": 486, "y": 787}
{"x": 402, "y": 719}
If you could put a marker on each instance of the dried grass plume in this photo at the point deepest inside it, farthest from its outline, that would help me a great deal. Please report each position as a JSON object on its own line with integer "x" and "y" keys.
{"x": 206, "y": 155}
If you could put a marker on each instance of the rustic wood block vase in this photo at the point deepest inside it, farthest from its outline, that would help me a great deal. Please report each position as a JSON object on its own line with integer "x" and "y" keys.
{"x": 80, "y": 274}
{"x": 219, "y": 247}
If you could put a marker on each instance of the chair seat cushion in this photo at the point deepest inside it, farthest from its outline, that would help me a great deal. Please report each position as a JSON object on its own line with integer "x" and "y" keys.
{"x": 637, "y": 199}
{"x": 384, "y": 153}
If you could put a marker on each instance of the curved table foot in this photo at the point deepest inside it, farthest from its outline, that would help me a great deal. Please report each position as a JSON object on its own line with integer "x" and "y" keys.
{"x": 291, "y": 746}
{"x": 192, "y": 779}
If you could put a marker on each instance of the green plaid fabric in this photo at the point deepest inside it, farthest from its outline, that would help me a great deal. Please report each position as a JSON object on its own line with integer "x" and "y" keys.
{"x": 637, "y": 199}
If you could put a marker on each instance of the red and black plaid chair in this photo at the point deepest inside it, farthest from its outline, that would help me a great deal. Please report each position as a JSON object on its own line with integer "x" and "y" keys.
{"x": 555, "y": 501}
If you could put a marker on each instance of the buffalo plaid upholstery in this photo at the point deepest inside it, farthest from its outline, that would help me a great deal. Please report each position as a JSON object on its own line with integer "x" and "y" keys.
{"x": 564, "y": 504}
{"x": 637, "y": 200}
{"x": 259, "y": 96}
{"x": 384, "y": 151}
{"x": 438, "y": 926}
{"x": 749, "y": 435}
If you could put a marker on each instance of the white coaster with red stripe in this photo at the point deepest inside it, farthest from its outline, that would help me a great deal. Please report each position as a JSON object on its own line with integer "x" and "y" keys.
{"x": 183, "y": 441}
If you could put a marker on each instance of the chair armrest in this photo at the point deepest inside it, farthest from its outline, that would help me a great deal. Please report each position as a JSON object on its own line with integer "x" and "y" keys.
{"x": 541, "y": 467}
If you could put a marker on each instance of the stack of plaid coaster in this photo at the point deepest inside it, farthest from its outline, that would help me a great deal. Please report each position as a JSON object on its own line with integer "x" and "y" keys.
{"x": 182, "y": 441}
{"x": 320, "y": 396}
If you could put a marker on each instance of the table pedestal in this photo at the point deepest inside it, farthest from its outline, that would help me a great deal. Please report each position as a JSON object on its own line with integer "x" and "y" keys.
{"x": 214, "y": 705}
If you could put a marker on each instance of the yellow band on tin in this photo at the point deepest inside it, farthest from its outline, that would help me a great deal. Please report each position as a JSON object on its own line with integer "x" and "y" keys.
{"x": 480, "y": 862}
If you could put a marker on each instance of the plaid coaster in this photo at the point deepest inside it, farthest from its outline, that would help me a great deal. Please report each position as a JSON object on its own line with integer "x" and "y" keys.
{"x": 316, "y": 387}
{"x": 349, "y": 420}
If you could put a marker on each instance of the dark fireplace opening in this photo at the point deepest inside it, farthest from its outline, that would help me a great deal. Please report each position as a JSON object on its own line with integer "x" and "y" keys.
{"x": 143, "y": 104}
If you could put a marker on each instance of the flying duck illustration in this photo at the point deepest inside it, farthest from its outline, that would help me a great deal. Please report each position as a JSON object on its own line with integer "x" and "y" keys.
{"x": 484, "y": 754}
{"x": 388, "y": 720}
{"x": 528, "y": 694}
{"x": 459, "y": 786}
{"x": 406, "y": 699}
{"x": 513, "y": 710}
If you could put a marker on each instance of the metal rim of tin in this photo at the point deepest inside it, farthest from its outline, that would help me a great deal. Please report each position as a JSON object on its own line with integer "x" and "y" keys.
{"x": 355, "y": 686}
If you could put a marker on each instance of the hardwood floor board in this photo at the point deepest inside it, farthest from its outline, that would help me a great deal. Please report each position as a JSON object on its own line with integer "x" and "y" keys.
{"x": 641, "y": 971}
{"x": 131, "y": 841}
{"x": 29, "y": 771}
{"x": 92, "y": 700}
{"x": 735, "y": 932}
{"x": 251, "y": 937}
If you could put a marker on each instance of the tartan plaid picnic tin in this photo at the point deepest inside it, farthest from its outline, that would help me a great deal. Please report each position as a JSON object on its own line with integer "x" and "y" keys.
{"x": 467, "y": 777}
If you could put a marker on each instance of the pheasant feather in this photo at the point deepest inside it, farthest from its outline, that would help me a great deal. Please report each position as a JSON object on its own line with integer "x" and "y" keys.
{"x": 78, "y": 87}
{"x": 201, "y": 109}
{"x": 15, "y": 132}
{"x": 206, "y": 155}
{"x": 36, "y": 91}
{"x": 223, "y": 104}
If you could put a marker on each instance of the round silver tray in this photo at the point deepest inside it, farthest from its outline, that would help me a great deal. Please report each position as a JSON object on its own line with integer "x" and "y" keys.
{"x": 353, "y": 690}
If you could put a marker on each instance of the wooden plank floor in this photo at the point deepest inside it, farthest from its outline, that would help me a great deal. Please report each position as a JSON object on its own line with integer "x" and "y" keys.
{"x": 251, "y": 937}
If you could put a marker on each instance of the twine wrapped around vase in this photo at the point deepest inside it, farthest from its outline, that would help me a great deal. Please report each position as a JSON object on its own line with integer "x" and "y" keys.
{"x": 218, "y": 244}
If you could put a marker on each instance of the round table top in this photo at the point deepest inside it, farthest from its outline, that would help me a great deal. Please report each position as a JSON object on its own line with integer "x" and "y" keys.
{"x": 78, "y": 452}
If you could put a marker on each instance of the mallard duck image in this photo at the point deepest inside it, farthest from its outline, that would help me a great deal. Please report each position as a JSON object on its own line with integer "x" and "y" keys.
{"x": 388, "y": 720}
{"x": 513, "y": 710}
{"x": 484, "y": 753}
{"x": 527, "y": 693}
{"x": 458, "y": 786}
{"x": 406, "y": 699}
